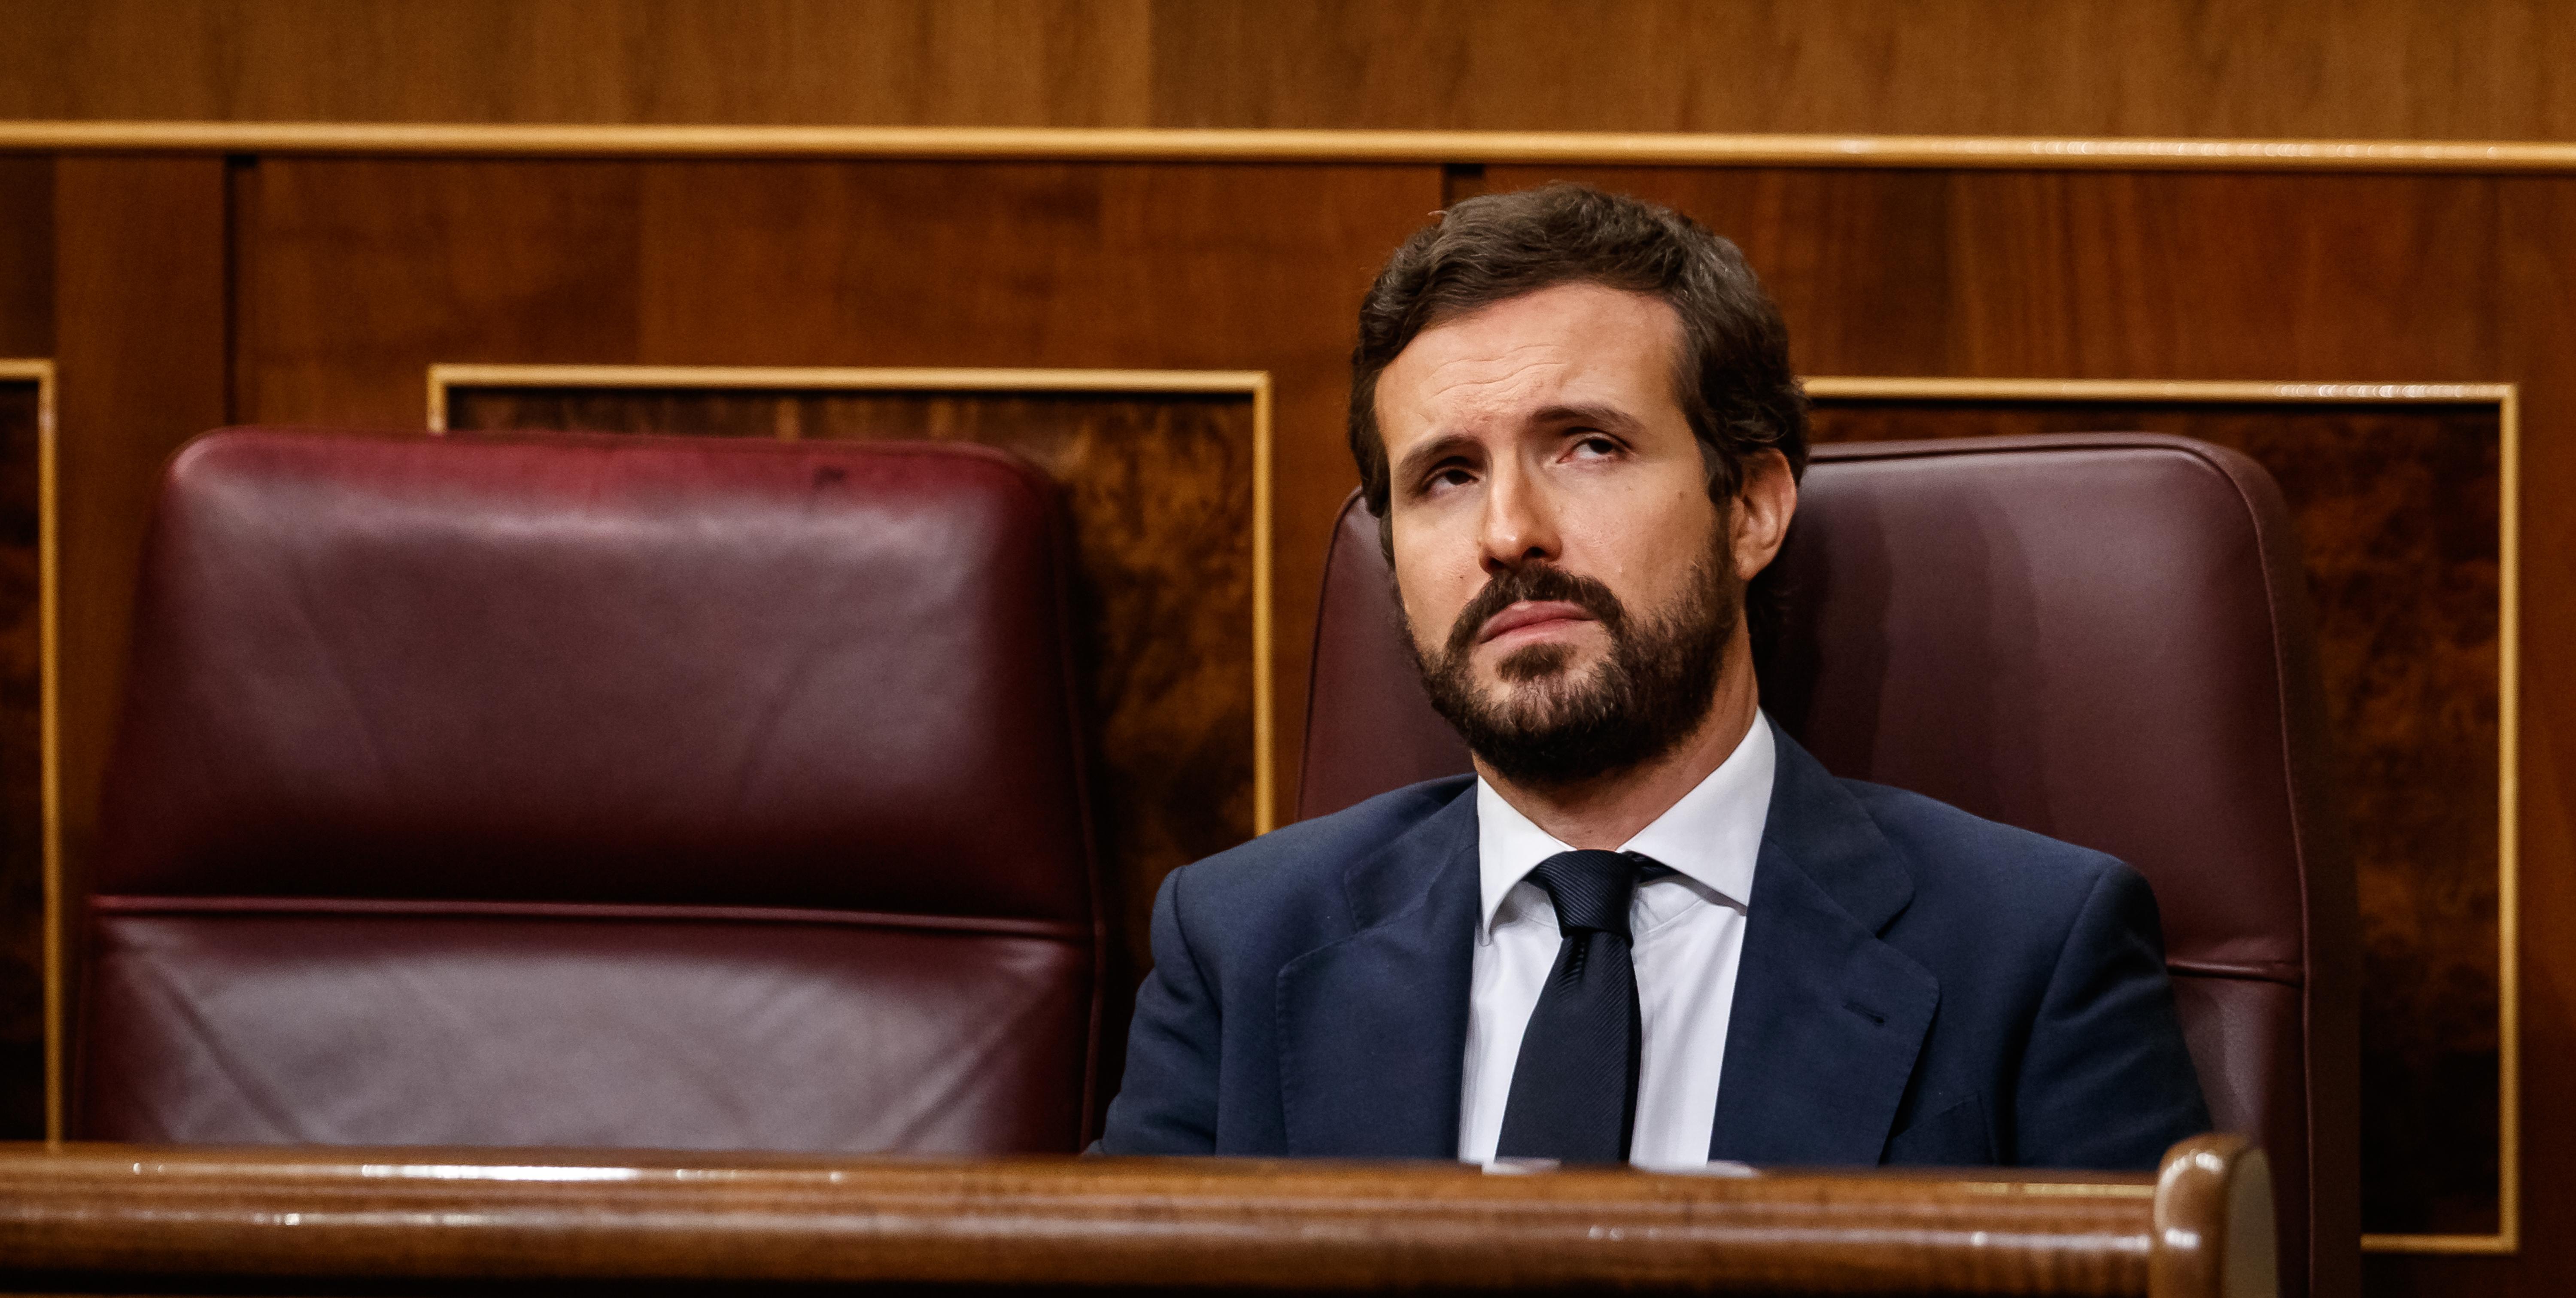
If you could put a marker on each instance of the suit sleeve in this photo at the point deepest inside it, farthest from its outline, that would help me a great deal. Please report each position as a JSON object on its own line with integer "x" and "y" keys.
{"x": 1167, "y": 1102}
{"x": 2107, "y": 1082}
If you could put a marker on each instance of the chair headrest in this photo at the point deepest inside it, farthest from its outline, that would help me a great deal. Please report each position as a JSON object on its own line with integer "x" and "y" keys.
{"x": 602, "y": 669}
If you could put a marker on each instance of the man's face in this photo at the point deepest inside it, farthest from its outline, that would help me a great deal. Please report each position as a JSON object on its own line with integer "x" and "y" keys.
{"x": 1568, "y": 582}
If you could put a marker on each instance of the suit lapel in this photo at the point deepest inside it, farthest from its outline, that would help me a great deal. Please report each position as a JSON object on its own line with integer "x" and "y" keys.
{"x": 1828, "y": 1019}
{"x": 1373, "y": 1028}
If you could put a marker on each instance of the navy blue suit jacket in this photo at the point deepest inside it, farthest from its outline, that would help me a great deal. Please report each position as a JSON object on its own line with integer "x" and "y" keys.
{"x": 1918, "y": 986}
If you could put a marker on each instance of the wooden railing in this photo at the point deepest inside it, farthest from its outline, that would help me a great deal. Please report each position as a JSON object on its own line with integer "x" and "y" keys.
{"x": 104, "y": 1218}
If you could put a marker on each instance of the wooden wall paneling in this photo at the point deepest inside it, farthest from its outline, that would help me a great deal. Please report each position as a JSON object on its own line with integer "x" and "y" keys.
{"x": 1161, "y": 473}
{"x": 2536, "y": 334}
{"x": 356, "y": 275}
{"x": 2386, "y": 69}
{"x": 362, "y": 273}
{"x": 140, "y": 329}
{"x": 26, "y": 255}
{"x": 27, "y": 856}
{"x": 1003, "y": 62}
{"x": 2109, "y": 275}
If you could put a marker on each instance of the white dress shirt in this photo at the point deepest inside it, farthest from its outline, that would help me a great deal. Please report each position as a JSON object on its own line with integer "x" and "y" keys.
{"x": 1687, "y": 934}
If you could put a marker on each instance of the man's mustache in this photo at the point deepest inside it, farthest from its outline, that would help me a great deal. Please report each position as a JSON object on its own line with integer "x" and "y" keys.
{"x": 1537, "y": 583}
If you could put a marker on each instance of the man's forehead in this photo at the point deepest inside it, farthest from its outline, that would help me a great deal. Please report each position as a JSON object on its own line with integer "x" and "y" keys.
{"x": 1568, "y": 344}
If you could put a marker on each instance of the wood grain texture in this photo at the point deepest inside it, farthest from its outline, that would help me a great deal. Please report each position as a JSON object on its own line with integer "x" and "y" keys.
{"x": 890, "y": 61}
{"x": 2396, "y": 509}
{"x": 1158, "y": 490}
{"x": 2383, "y": 68}
{"x": 2390, "y": 69}
{"x": 26, "y": 255}
{"x": 79, "y": 1216}
{"x": 22, "y": 837}
{"x": 141, "y": 315}
{"x": 2536, "y": 337}
{"x": 2120, "y": 275}
{"x": 358, "y": 275}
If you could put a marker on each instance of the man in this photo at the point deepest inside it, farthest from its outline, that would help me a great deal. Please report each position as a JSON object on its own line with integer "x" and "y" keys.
{"x": 1650, "y": 927}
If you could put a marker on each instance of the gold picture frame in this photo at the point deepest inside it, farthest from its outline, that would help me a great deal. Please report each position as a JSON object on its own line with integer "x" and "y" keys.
{"x": 2506, "y": 398}
{"x": 1252, "y": 384}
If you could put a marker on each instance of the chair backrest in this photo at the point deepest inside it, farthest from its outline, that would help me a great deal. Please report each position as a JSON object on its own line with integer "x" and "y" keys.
{"x": 598, "y": 790}
{"x": 2103, "y": 638}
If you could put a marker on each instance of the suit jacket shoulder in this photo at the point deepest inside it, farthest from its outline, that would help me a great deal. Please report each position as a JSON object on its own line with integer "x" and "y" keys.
{"x": 2021, "y": 886}
{"x": 1300, "y": 1000}
{"x": 1293, "y": 884}
{"x": 2049, "y": 958}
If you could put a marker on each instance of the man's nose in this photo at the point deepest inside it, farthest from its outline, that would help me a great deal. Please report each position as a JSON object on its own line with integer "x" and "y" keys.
{"x": 1519, "y": 523}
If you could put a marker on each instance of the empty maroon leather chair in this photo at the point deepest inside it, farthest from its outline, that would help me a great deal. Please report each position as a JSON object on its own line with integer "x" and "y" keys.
{"x": 2103, "y": 638}
{"x": 596, "y": 791}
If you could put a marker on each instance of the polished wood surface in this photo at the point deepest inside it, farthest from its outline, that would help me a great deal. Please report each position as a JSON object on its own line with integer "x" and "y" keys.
{"x": 142, "y": 315}
{"x": 80, "y": 1217}
{"x": 2387, "y": 69}
{"x": 26, "y": 255}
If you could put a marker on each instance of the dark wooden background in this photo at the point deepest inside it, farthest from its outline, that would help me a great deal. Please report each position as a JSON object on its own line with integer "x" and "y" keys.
{"x": 185, "y": 289}
{"x": 2377, "y": 69}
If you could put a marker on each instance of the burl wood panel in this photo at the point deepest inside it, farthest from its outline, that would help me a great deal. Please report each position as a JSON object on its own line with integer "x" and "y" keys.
{"x": 356, "y": 275}
{"x": 1158, "y": 488}
{"x": 2396, "y": 511}
{"x": 22, "y": 826}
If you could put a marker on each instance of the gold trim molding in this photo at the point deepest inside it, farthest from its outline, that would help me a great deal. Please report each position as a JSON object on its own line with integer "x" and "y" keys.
{"x": 48, "y": 725}
{"x": 960, "y": 143}
{"x": 2506, "y": 397}
{"x": 1254, "y": 384}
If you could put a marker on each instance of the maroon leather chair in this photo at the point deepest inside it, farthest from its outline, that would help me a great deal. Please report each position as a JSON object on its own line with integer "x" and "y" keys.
{"x": 596, "y": 791}
{"x": 2103, "y": 638}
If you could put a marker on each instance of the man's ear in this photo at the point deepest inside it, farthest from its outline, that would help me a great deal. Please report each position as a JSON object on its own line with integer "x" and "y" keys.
{"x": 1763, "y": 508}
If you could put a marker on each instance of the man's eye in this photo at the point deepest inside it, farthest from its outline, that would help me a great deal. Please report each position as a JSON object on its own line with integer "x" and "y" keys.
{"x": 1595, "y": 446}
{"x": 1453, "y": 476}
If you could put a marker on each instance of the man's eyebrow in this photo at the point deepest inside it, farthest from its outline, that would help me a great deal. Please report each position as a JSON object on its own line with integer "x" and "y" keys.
{"x": 1605, "y": 417}
{"x": 1439, "y": 448}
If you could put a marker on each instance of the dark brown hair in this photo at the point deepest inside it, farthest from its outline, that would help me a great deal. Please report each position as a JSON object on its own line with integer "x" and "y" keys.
{"x": 1733, "y": 379}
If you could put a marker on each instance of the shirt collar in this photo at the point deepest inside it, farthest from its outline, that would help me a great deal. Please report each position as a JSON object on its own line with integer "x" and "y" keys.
{"x": 1713, "y": 834}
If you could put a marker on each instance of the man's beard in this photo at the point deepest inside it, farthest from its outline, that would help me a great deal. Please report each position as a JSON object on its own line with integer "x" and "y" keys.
{"x": 1554, "y": 728}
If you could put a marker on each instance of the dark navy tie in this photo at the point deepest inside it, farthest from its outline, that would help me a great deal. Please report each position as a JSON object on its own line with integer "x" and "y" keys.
{"x": 1574, "y": 1089}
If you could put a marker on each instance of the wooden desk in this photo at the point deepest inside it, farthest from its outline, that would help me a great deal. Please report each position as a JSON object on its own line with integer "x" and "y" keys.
{"x": 132, "y": 1218}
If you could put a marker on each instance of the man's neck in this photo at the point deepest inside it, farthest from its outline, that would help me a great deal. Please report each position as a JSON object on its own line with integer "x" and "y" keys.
{"x": 1605, "y": 812}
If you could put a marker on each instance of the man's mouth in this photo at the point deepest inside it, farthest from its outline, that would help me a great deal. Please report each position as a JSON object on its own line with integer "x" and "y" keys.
{"x": 1530, "y": 620}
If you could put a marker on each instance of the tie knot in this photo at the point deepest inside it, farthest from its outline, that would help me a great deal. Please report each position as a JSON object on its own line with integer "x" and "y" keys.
{"x": 1592, "y": 889}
